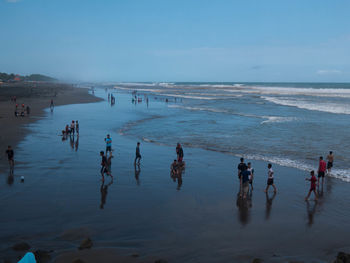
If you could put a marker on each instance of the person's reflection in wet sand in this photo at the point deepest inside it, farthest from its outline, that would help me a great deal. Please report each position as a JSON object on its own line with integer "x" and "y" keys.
{"x": 77, "y": 144}
{"x": 137, "y": 173}
{"x": 104, "y": 191}
{"x": 320, "y": 191}
{"x": 179, "y": 180}
{"x": 311, "y": 210}
{"x": 244, "y": 204}
{"x": 10, "y": 179}
{"x": 71, "y": 142}
{"x": 269, "y": 205}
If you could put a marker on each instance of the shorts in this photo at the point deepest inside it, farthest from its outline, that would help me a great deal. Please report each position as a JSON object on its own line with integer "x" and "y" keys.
{"x": 250, "y": 181}
{"x": 108, "y": 148}
{"x": 313, "y": 188}
{"x": 320, "y": 174}
{"x": 180, "y": 159}
{"x": 270, "y": 181}
{"x": 329, "y": 165}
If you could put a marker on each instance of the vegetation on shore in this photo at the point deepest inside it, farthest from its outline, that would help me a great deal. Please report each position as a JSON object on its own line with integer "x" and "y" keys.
{"x": 4, "y": 77}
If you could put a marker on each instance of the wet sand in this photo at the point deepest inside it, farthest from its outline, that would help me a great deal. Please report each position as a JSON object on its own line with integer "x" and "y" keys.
{"x": 145, "y": 212}
{"x": 37, "y": 96}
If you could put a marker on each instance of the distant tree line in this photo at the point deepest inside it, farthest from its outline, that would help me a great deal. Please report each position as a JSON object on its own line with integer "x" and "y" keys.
{"x": 4, "y": 77}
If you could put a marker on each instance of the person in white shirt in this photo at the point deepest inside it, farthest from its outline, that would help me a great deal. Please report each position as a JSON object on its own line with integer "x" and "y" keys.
{"x": 270, "y": 179}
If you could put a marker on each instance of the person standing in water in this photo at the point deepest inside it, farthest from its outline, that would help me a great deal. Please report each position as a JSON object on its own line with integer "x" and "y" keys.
{"x": 313, "y": 181}
{"x": 270, "y": 177}
{"x": 330, "y": 159}
{"x": 138, "y": 154}
{"x": 321, "y": 170}
{"x": 108, "y": 141}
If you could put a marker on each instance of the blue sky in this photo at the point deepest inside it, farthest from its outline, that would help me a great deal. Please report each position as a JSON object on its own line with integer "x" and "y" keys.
{"x": 148, "y": 40}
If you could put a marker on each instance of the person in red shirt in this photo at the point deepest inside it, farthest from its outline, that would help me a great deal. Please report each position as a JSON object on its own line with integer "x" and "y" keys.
{"x": 322, "y": 166}
{"x": 313, "y": 181}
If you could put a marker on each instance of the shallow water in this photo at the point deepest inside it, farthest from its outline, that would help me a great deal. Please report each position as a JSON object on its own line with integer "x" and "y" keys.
{"x": 198, "y": 220}
{"x": 284, "y": 123}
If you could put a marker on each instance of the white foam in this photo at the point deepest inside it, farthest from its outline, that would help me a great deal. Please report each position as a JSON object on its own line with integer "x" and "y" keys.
{"x": 338, "y": 108}
{"x": 278, "y": 119}
{"x": 187, "y": 96}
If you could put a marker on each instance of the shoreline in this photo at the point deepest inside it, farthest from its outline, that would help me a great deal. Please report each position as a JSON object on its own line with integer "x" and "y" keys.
{"x": 37, "y": 95}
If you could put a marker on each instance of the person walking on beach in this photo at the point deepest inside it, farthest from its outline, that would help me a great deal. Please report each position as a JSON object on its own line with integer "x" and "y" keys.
{"x": 270, "y": 177}
{"x": 51, "y": 105}
{"x": 72, "y": 128}
{"x": 104, "y": 165}
{"x": 321, "y": 170}
{"x": 180, "y": 153}
{"x": 313, "y": 181}
{"x": 108, "y": 141}
{"x": 138, "y": 154}
{"x": 240, "y": 167}
{"x": 330, "y": 159}
{"x": 77, "y": 127}
{"x": 251, "y": 176}
{"x": 10, "y": 157}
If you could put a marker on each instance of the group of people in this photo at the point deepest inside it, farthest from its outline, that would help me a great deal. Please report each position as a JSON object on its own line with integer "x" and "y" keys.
{"x": 22, "y": 111}
{"x": 246, "y": 176}
{"x": 71, "y": 129}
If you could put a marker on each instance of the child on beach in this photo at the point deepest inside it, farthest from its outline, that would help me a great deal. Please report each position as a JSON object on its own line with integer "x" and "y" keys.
{"x": 313, "y": 181}
{"x": 251, "y": 176}
{"x": 138, "y": 155}
{"x": 108, "y": 141}
{"x": 321, "y": 170}
{"x": 10, "y": 155}
{"x": 180, "y": 153}
{"x": 270, "y": 174}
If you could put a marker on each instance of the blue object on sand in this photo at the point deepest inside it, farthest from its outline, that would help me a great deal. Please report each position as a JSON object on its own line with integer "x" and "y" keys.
{"x": 28, "y": 258}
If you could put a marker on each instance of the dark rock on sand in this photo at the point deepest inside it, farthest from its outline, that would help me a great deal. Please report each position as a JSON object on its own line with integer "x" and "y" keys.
{"x": 42, "y": 256}
{"x": 160, "y": 261}
{"x": 21, "y": 246}
{"x": 257, "y": 260}
{"x": 78, "y": 261}
{"x": 135, "y": 255}
{"x": 86, "y": 244}
{"x": 342, "y": 258}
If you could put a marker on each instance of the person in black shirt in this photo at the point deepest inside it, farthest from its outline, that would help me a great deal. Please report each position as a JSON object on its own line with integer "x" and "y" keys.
{"x": 241, "y": 167}
{"x": 10, "y": 156}
{"x": 138, "y": 155}
{"x": 104, "y": 165}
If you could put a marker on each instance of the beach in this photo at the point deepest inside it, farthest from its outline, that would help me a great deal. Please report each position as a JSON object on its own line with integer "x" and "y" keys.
{"x": 36, "y": 95}
{"x": 144, "y": 215}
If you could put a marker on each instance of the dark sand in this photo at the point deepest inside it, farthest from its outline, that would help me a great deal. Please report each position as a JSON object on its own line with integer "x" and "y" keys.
{"x": 37, "y": 95}
{"x": 148, "y": 216}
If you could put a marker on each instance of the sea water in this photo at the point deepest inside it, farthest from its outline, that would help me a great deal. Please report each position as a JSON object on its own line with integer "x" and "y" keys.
{"x": 291, "y": 124}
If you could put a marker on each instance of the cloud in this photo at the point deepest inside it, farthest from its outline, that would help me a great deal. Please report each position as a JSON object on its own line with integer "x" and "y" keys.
{"x": 329, "y": 72}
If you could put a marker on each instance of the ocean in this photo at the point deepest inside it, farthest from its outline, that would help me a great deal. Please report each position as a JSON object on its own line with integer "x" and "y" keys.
{"x": 290, "y": 124}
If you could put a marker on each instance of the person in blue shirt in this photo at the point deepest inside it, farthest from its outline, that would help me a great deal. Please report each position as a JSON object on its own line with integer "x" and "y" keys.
{"x": 108, "y": 141}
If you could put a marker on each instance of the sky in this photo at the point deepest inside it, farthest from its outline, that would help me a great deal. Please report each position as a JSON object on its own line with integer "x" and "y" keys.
{"x": 177, "y": 40}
